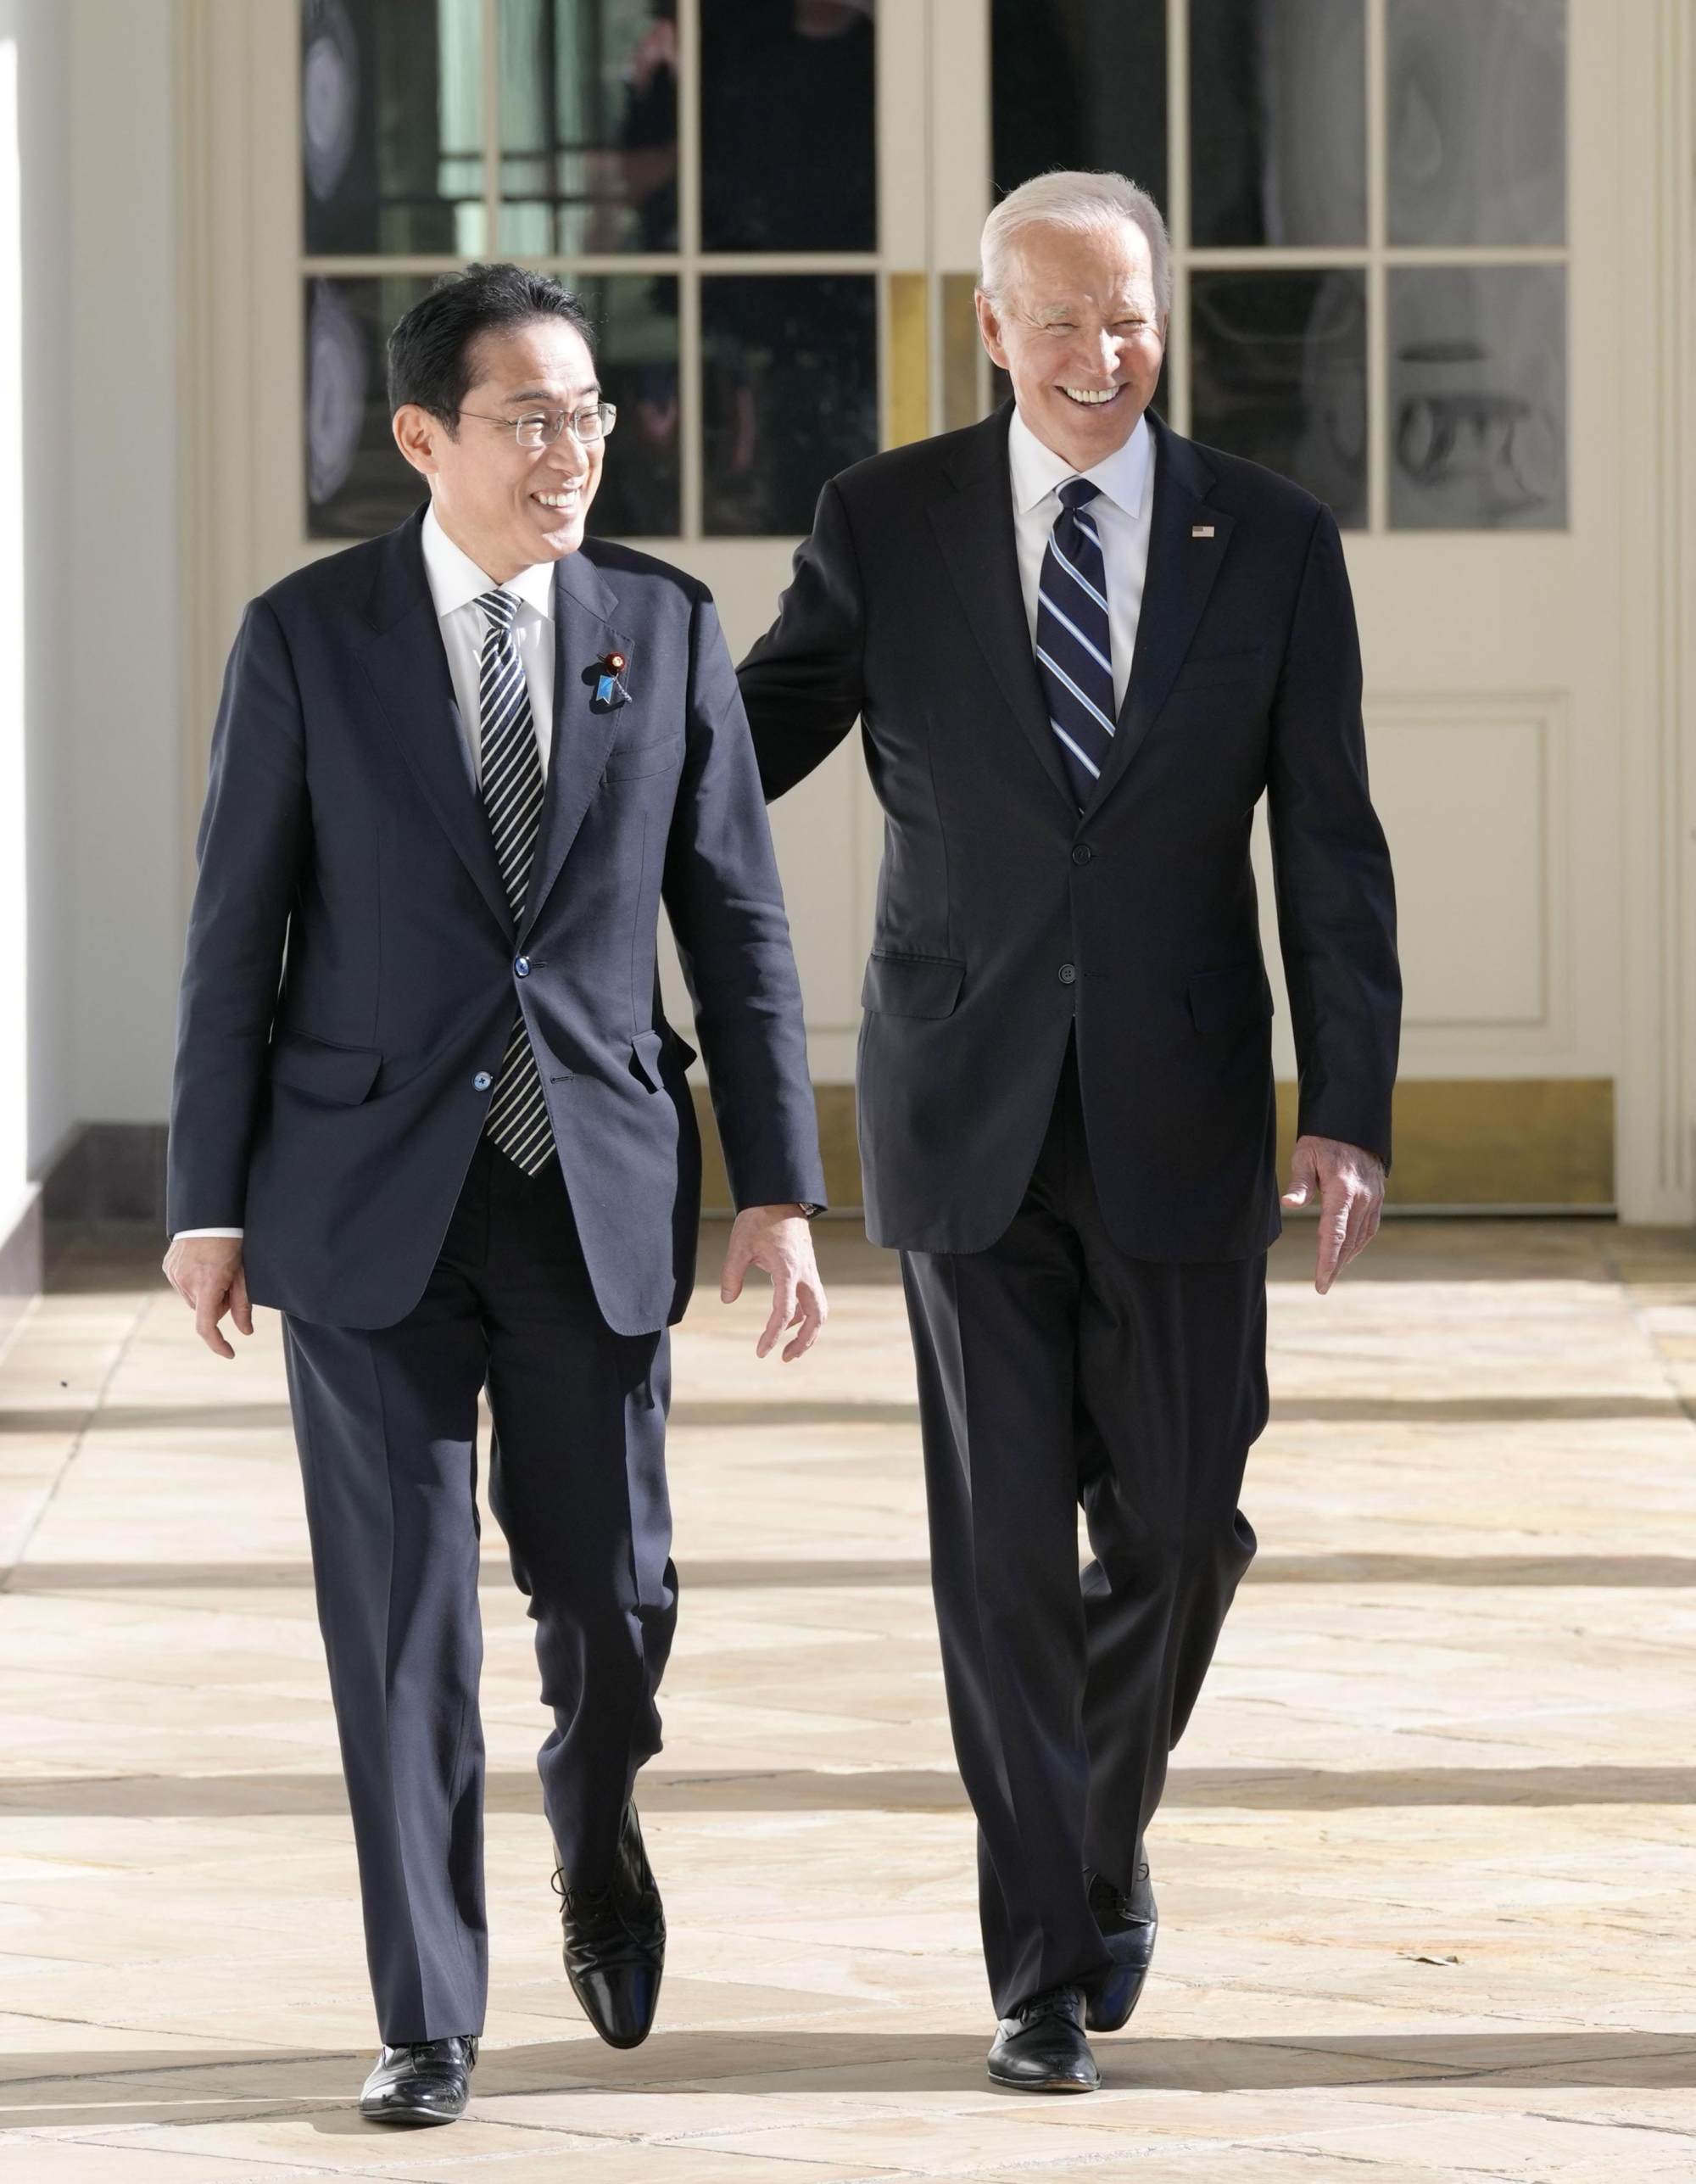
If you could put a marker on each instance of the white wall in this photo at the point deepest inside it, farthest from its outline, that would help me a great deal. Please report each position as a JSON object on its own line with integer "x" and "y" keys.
{"x": 41, "y": 32}
{"x": 116, "y": 486}
{"x": 95, "y": 534}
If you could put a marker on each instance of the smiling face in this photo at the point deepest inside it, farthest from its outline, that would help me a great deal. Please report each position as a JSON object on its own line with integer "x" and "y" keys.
{"x": 1080, "y": 336}
{"x": 505, "y": 506}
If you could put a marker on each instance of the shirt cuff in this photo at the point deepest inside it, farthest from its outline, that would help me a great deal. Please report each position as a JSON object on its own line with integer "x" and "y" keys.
{"x": 205, "y": 1231}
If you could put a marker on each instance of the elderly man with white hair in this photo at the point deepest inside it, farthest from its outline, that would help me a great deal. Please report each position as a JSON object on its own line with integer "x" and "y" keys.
{"x": 1081, "y": 649}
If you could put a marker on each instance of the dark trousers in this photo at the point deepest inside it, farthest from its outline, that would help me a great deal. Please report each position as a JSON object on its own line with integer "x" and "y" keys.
{"x": 386, "y": 1427}
{"x": 1053, "y": 1370}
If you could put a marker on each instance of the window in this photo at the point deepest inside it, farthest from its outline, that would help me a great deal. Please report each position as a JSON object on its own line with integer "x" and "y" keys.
{"x": 704, "y": 175}
{"x": 1367, "y": 207}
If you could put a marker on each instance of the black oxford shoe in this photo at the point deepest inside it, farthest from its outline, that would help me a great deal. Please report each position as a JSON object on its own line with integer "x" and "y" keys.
{"x": 1042, "y": 2049}
{"x": 1129, "y": 1924}
{"x": 427, "y": 2081}
{"x": 615, "y": 1943}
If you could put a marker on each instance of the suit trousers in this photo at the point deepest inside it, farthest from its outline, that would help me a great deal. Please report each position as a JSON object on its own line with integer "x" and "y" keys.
{"x": 385, "y": 1422}
{"x": 1054, "y": 1370}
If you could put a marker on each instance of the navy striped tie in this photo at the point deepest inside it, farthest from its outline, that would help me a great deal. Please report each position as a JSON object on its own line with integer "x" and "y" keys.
{"x": 512, "y": 789}
{"x": 1074, "y": 642}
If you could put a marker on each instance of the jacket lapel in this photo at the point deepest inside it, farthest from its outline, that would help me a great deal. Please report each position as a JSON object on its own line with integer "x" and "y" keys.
{"x": 408, "y": 666}
{"x": 583, "y": 631}
{"x": 1180, "y": 573}
{"x": 974, "y": 528}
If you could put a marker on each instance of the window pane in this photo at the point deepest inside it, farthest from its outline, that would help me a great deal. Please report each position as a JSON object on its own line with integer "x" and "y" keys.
{"x": 1478, "y": 398}
{"x": 788, "y": 125}
{"x": 1279, "y": 374}
{"x": 1277, "y": 122}
{"x": 1078, "y": 83}
{"x": 357, "y": 483}
{"x": 636, "y": 350}
{"x": 391, "y": 126}
{"x": 1477, "y": 120}
{"x": 790, "y": 369}
{"x": 588, "y": 126}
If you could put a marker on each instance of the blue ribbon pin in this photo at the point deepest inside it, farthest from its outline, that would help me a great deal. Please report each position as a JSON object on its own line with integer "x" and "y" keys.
{"x": 609, "y": 680}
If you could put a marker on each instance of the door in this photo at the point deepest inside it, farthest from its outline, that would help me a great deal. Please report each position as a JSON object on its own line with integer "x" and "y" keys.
{"x": 1427, "y": 262}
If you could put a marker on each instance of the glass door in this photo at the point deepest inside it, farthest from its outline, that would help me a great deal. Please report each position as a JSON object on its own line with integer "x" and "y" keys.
{"x": 1395, "y": 284}
{"x": 737, "y": 192}
{"x": 1395, "y": 227}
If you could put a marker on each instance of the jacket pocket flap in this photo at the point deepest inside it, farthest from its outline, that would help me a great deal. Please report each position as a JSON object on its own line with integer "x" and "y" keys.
{"x": 1222, "y": 667}
{"x": 1239, "y": 994}
{"x": 340, "y": 1075}
{"x": 646, "y": 1047}
{"x": 912, "y": 985}
{"x": 628, "y": 761}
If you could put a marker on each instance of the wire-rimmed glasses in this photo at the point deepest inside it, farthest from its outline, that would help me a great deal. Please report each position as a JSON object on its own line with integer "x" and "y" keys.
{"x": 540, "y": 428}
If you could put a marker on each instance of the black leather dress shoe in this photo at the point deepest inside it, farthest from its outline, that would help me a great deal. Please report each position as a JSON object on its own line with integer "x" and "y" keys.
{"x": 1042, "y": 2049}
{"x": 615, "y": 1943}
{"x": 1129, "y": 1924}
{"x": 427, "y": 2081}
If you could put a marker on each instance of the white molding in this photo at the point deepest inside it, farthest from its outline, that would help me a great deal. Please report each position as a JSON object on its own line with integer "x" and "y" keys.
{"x": 1280, "y": 257}
{"x": 237, "y": 244}
{"x": 204, "y": 189}
{"x": 1433, "y": 1044}
{"x": 1656, "y": 406}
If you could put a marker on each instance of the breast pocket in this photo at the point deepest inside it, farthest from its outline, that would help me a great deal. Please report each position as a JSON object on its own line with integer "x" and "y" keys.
{"x": 1212, "y": 669}
{"x": 654, "y": 754}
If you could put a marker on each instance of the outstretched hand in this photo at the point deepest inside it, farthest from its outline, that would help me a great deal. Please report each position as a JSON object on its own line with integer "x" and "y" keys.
{"x": 779, "y": 1239}
{"x": 1349, "y": 1185}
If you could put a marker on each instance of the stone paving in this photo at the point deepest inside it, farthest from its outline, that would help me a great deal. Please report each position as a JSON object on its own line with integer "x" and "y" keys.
{"x": 1425, "y": 1868}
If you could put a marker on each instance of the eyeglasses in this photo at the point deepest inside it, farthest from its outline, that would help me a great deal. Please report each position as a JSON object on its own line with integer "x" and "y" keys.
{"x": 540, "y": 428}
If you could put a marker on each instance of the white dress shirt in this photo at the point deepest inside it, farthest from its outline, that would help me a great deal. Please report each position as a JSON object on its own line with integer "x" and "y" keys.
{"x": 1124, "y": 498}
{"x": 456, "y": 584}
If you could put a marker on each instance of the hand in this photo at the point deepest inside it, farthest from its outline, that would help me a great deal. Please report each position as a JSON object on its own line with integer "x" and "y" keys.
{"x": 1349, "y": 1186}
{"x": 779, "y": 1238}
{"x": 206, "y": 1273}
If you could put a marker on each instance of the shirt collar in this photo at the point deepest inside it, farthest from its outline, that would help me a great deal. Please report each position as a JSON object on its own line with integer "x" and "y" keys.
{"x": 455, "y": 580}
{"x": 1038, "y": 471}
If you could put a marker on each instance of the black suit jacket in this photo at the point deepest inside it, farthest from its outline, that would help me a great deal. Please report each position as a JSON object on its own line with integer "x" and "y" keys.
{"x": 1003, "y": 916}
{"x": 352, "y": 959}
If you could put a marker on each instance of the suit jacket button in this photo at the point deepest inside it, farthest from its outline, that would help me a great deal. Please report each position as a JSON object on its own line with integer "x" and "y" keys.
{"x": 522, "y": 966}
{"x": 1082, "y": 854}
{"x": 482, "y": 1081}
{"x": 1067, "y": 975}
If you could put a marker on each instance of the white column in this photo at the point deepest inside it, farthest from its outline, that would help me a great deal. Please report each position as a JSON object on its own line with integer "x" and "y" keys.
{"x": 15, "y": 1186}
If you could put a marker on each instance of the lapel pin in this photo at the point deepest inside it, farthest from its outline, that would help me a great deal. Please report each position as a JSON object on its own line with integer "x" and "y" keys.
{"x": 608, "y": 674}
{"x": 1201, "y": 530}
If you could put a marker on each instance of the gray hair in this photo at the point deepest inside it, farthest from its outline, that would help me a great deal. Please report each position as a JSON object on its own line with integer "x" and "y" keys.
{"x": 1087, "y": 204}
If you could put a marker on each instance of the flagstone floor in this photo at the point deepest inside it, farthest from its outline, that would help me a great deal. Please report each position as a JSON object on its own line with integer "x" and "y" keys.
{"x": 1427, "y": 1868}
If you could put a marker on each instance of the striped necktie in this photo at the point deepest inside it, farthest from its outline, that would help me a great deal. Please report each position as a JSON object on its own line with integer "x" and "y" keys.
{"x": 1074, "y": 642}
{"x": 512, "y": 787}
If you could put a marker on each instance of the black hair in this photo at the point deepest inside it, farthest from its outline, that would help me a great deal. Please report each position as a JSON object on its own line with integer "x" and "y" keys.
{"x": 429, "y": 351}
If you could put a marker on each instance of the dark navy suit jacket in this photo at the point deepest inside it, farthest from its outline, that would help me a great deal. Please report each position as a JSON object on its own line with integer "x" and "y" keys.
{"x": 351, "y": 970}
{"x": 1005, "y": 918}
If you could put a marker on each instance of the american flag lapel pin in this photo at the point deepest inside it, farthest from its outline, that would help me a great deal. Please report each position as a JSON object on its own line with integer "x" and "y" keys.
{"x": 1201, "y": 530}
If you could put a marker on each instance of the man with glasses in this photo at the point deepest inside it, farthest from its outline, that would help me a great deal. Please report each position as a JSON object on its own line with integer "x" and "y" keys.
{"x": 428, "y": 1105}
